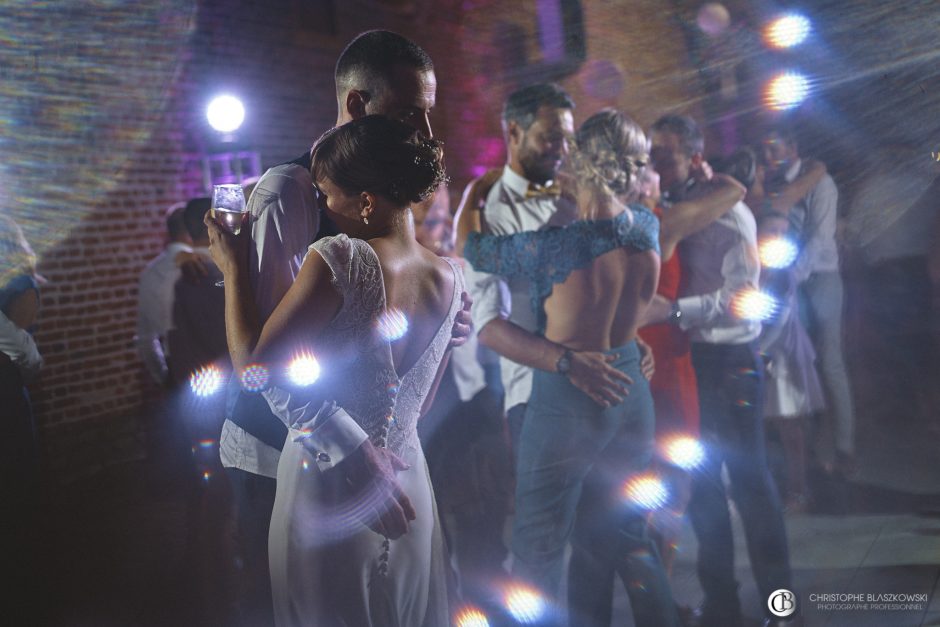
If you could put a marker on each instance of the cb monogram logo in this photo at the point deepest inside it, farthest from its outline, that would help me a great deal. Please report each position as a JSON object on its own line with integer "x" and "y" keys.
{"x": 781, "y": 603}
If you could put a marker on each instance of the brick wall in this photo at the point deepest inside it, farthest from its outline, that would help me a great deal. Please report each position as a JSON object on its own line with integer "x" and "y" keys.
{"x": 138, "y": 128}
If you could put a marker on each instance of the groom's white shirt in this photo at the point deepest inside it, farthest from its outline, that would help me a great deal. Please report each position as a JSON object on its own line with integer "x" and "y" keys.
{"x": 284, "y": 222}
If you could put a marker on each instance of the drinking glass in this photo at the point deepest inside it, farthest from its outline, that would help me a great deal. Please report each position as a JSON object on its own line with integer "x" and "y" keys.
{"x": 229, "y": 209}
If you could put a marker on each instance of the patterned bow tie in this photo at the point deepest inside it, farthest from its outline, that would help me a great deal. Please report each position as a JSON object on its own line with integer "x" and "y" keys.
{"x": 536, "y": 191}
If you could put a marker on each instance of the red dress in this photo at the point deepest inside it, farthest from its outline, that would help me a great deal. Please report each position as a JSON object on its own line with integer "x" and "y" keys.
{"x": 675, "y": 393}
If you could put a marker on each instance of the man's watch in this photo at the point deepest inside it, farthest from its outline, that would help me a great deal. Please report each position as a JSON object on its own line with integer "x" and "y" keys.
{"x": 563, "y": 365}
{"x": 675, "y": 314}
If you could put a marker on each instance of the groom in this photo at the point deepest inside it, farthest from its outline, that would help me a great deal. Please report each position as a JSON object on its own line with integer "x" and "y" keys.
{"x": 379, "y": 72}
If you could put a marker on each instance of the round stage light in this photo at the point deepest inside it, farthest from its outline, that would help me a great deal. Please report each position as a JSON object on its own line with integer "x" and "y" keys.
{"x": 471, "y": 617}
{"x": 525, "y": 604}
{"x": 393, "y": 325}
{"x": 777, "y": 252}
{"x": 754, "y": 305}
{"x": 684, "y": 451}
{"x": 225, "y": 114}
{"x": 786, "y": 91}
{"x": 787, "y": 31}
{"x": 646, "y": 491}
{"x": 304, "y": 370}
{"x": 254, "y": 378}
{"x": 206, "y": 381}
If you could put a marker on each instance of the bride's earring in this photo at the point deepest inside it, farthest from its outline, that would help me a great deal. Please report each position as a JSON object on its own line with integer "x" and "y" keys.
{"x": 365, "y": 220}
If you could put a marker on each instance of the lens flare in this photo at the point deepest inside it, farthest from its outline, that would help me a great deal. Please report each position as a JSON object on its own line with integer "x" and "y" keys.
{"x": 524, "y": 604}
{"x": 254, "y": 378}
{"x": 393, "y": 325}
{"x": 646, "y": 491}
{"x": 206, "y": 381}
{"x": 471, "y": 617}
{"x": 684, "y": 451}
{"x": 787, "y": 31}
{"x": 304, "y": 370}
{"x": 787, "y": 91}
{"x": 754, "y": 305}
{"x": 777, "y": 252}
{"x": 225, "y": 113}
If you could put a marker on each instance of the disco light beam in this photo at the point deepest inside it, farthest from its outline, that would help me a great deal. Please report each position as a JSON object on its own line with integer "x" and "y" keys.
{"x": 787, "y": 31}
{"x": 786, "y": 91}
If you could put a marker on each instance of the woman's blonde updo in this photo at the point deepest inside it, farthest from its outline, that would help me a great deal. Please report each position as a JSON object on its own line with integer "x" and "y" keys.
{"x": 611, "y": 151}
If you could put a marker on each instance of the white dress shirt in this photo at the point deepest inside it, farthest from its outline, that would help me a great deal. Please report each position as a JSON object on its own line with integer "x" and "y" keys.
{"x": 155, "y": 309}
{"x": 813, "y": 220}
{"x": 719, "y": 262}
{"x": 20, "y": 347}
{"x": 284, "y": 221}
{"x": 509, "y": 211}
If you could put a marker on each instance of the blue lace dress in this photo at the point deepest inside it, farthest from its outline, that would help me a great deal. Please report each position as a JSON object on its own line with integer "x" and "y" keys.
{"x": 549, "y": 256}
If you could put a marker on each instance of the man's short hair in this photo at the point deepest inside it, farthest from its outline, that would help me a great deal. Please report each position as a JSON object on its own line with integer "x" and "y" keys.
{"x": 174, "y": 220}
{"x": 369, "y": 60}
{"x": 523, "y": 104}
{"x": 685, "y": 128}
{"x": 193, "y": 216}
{"x": 785, "y": 132}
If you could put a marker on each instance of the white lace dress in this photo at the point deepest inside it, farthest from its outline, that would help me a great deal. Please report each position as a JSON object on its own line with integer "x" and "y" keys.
{"x": 326, "y": 568}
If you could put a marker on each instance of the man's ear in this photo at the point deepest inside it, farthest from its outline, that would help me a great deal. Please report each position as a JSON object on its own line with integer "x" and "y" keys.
{"x": 514, "y": 133}
{"x": 356, "y": 103}
{"x": 697, "y": 160}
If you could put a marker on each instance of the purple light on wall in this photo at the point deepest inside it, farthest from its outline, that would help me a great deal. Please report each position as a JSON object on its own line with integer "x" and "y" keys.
{"x": 551, "y": 30}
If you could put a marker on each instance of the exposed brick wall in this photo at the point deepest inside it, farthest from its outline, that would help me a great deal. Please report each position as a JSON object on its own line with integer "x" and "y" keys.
{"x": 93, "y": 397}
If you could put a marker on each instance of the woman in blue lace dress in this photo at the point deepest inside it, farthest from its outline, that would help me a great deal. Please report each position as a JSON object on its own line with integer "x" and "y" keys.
{"x": 590, "y": 283}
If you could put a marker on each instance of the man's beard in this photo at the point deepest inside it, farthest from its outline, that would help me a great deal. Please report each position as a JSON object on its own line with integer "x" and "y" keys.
{"x": 538, "y": 170}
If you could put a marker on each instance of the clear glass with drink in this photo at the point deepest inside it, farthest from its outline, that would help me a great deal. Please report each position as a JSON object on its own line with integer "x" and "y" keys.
{"x": 228, "y": 207}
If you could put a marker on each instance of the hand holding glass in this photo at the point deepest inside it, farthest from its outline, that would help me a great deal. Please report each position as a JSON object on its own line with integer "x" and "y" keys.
{"x": 228, "y": 207}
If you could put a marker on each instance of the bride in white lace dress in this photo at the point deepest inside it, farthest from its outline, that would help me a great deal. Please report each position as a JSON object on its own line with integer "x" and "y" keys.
{"x": 355, "y": 539}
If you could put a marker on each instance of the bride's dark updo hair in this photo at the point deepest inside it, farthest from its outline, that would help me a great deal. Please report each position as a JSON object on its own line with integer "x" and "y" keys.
{"x": 379, "y": 155}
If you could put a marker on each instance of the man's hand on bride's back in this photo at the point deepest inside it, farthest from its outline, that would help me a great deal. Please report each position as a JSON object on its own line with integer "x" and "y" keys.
{"x": 592, "y": 373}
{"x": 370, "y": 472}
{"x": 461, "y": 331}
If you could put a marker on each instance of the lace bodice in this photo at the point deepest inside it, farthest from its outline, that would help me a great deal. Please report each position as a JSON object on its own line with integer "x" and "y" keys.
{"x": 358, "y": 372}
{"x": 548, "y": 256}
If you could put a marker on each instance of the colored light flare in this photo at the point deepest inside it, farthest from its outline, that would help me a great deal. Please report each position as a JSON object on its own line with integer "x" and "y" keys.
{"x": 225, "y": 114}
{"x": 304, "y": 370}
{"x": 524, "y": 604}
{"x": 471, "y": 617}
{"x": 786, "y": 91}
{"x": 393, "y": 325}
{"x": 754, "y": 305}
{"x": 646, "y": 491}
{"x": 254, "y": 378}
{"x": 787, "y": 31}
{"x": 777, "y": 252}
{"x": 684, "y": 451}
{"x": 206, "y": 381}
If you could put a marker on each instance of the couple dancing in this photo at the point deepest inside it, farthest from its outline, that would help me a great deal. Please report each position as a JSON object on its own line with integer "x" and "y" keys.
{"x": 358, "y": 542}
